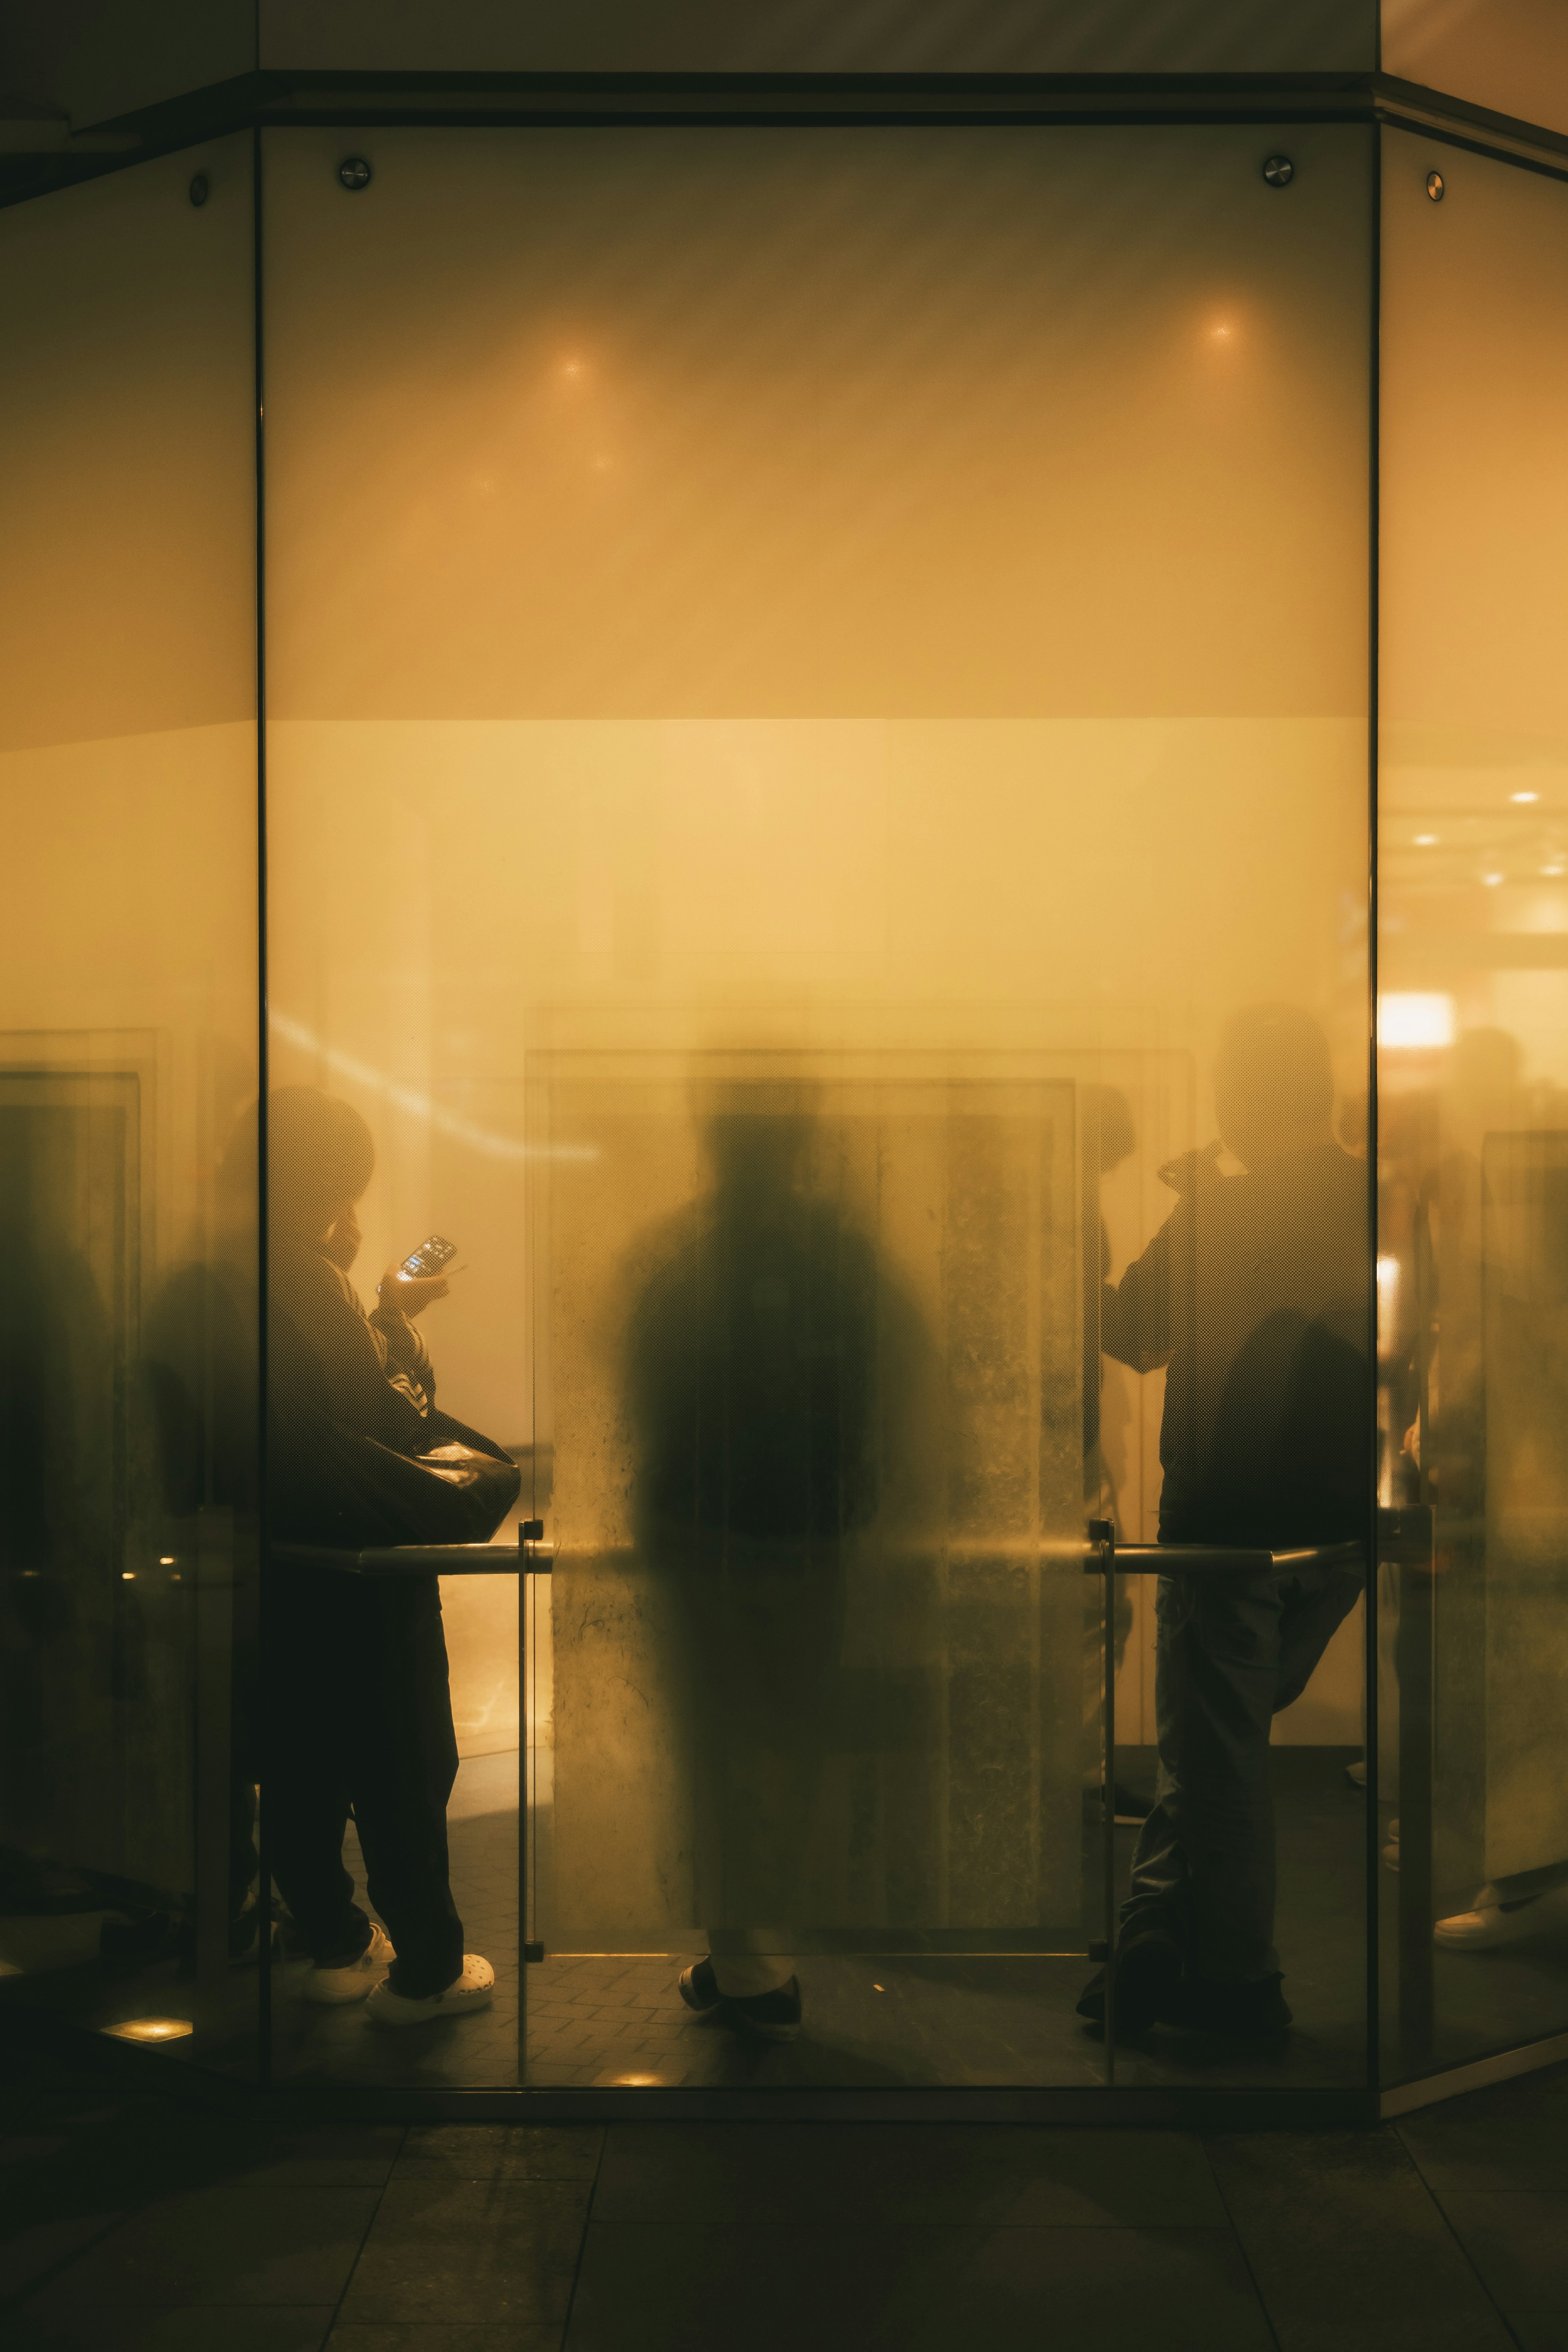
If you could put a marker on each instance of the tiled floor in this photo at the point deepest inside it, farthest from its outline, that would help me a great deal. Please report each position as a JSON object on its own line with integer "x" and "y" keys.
{"x": 133, "y": 2223}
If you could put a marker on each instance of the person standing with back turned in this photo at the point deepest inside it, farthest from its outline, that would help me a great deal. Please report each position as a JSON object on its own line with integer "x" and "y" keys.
{"x": 1254, "y": 1297}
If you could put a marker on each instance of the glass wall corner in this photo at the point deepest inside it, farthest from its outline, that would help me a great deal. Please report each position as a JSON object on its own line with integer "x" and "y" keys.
{"x": 128, "y": 1053}
{"x": 1473, "y": 1155}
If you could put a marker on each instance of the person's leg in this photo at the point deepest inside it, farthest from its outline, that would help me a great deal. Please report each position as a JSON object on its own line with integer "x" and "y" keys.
{"x": 402, "y": 1767}
{"x": 1204, "y": 1870}
{"x": 304, "y": 1792}
{"x": 779, "y": 1621}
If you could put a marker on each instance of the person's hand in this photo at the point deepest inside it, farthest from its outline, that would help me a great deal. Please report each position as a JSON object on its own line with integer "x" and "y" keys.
{"x": 409, "y": 1293}
{"x": 341, "y": 1247}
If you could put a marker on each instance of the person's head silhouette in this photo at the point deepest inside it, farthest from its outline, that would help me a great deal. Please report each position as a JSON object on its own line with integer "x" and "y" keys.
{"x": 1273, "y": 1084}
{"x": 319, "y": 1157}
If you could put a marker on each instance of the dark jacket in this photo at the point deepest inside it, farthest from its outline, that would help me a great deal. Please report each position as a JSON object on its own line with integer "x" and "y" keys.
{"x": 1255, "y": 1295}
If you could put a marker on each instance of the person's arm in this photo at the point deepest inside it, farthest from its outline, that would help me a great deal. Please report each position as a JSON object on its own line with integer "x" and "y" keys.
{"x": 1136, "y": 1321}
{"x": 371, "y": 1381}
{"x": 402, "y": 1351}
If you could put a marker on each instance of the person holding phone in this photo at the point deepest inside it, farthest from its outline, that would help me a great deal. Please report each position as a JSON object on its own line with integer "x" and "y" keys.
{"x": 359, "y": 1708}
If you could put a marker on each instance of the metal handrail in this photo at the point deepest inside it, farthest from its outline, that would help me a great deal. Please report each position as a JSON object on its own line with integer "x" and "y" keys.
{"x": 1212, "y": 1559}
{"x": 532, "y": 1556}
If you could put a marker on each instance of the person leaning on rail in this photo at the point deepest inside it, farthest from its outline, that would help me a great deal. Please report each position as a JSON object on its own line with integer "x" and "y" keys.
{"x": 1253, "y": 1296}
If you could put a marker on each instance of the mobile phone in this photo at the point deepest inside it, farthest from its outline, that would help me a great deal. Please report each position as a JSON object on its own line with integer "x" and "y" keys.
{"x": 428, "y": 1258}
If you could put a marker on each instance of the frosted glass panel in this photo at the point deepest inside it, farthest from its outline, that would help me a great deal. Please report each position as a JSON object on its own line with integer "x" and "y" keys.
{"x": 880, "y": 615}
{"x": 1474, "y": 1012}
{"x": 128, "y": 1046}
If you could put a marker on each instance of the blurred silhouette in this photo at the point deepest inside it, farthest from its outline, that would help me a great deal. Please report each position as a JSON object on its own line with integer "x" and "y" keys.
{"x": 200, "y": 1366}
{"x": 61, "y": 1458}
{"x": 1254, "y": 1295}
{"x": 752, "y": 1391}
{"x": 1107, "y": 1138}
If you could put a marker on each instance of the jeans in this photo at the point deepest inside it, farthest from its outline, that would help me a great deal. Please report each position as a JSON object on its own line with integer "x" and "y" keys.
{"x": 1230, "y": 1652}
{"x": 361, "y": 1715}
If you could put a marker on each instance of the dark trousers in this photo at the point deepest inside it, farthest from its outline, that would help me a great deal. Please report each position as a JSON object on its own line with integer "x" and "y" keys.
{"x": 1230, "y": 1652}
{"x": 360, "y": 1715}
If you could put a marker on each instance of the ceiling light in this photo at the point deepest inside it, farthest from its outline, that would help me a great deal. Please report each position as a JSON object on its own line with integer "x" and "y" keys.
{"x": 1413, "y": 1020}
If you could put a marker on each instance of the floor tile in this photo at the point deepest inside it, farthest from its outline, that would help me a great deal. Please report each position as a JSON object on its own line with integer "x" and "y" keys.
{"x": 33, "y": 2248}
{"x": 1349, "y": 2249}
{"x": 441, "y": 2336}
{"x": 1518, "y": 2241}
{"x": 1541, "y": 2331}
{"x": 242, "y": 2242}
{"x": 1465, "y": 2146}
{"x": 207, "y": 2328}
{"x": 506, "y": 2151}
{"x": 446, "y": 2248}
{"x": 650, "y": 2289}
{"x": 1002, "y": 2176}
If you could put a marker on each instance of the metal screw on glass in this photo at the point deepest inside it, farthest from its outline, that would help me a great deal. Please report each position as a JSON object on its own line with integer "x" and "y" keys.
{"x": 1279, "y": 171}
{"x": 354, "y": 172}
{"x": 201, "y": 188}
{"x": 1434, "y": 186}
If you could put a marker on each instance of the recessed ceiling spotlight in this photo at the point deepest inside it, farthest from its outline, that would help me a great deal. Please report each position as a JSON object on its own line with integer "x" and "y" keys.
{"x": 1523, "y": 799}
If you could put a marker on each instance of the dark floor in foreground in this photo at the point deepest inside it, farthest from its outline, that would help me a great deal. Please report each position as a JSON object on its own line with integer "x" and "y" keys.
{"x": 134, "y": 2223}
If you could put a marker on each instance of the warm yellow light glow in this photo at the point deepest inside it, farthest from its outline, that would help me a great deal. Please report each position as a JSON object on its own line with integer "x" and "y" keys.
{"x": 1426, "y": 841}
{"x": 166, "y": 1561}
{"x": 128, "y": 1576}
{"x": 151, "y": 2029}
{"x": 1555, "y": 870}
{"x": 1492, "y": 880}
{"x": 1414, "y": 1021}
{"x": 1524, "y": 797}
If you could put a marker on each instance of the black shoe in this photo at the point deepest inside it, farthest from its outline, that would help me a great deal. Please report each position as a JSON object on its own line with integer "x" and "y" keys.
{"x": 1234, "y": 2009}
{"x": 776, "y": 2016}
{"x": 1148, "y": 1969}
{"x": 699, "y": 1988}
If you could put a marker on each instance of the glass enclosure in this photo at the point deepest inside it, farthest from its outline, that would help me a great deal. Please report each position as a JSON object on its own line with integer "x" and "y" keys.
{"x": 815, "y": 825}
{"x": 1474, "y": 1087}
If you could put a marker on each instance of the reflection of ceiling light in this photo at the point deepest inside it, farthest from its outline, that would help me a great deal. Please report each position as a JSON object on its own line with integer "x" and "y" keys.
{"x": 1523, "y": 797}
{"x": 1426, "y": 841}
{"x": 1555, "y": 870}
{"x": 151, "y": 2029}
{"x": 1492, "y": 880}
{"x": 1410, "y": 1020}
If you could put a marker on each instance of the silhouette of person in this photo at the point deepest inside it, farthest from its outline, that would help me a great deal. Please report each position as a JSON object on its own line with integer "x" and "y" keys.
{"x": 1254, "y": 1295}
{"x": 753, "y": 1394}
{"x": 360, "y": 1710}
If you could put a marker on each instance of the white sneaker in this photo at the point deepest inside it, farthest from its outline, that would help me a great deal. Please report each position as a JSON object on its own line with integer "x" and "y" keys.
{"x": 475, "y": 1988}
{"x": 332, "y": 1987}
{"x": 1492, "y": 1922}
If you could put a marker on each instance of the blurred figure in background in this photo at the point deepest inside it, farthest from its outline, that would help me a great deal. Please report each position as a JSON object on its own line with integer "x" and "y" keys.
{"x": 1254, "y": 1295}
{"x": 753, "y": 1392}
